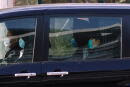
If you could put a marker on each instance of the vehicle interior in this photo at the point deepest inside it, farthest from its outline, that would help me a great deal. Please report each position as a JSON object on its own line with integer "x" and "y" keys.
{"x": 18, "y": 40}
{"x": 86, "y": 38}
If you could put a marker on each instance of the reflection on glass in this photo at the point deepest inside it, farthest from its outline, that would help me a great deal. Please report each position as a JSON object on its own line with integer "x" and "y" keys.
{"x": 82, "y": 38}
{"x": 16, "y": 40}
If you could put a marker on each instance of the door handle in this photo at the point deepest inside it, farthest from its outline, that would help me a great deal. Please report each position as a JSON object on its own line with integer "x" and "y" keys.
{"x": 28, "y": 75}
{"x": 57, "y": 73}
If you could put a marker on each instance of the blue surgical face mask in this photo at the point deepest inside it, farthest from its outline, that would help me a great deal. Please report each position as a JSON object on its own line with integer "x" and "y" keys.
{"x": 73, "y": 42}
{"x": 90, "y": 43}
{"x": 21, "y": 43}
{"x": 7, "y": 42}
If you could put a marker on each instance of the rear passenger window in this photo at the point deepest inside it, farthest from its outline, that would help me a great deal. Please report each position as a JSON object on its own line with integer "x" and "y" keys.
{"x": 17, "y": 40}
{"x": 84, "y": 38}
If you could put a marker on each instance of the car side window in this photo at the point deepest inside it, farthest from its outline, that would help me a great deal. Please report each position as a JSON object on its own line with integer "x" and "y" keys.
{"x": 17, "y": 40}
{"x": 82, "y": 38}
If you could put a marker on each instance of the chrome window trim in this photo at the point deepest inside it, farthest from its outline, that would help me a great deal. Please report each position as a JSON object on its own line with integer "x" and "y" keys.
{"x": 121, "y": 39}
{"x": 34, "y": 45}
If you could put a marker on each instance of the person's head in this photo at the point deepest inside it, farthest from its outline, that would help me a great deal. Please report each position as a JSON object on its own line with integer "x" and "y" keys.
{"x": 9, "y": 41}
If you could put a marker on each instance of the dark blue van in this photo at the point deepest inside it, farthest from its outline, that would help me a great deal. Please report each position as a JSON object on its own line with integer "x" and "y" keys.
{"x": 60, "y": 43}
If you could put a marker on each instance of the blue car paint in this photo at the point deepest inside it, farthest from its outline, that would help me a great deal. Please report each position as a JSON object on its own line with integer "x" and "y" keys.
{"x": 73, "y": 66}
{"x": 97, "y": 65}
{"x": 72, "y": 9}
{"x": 20, "y": 68}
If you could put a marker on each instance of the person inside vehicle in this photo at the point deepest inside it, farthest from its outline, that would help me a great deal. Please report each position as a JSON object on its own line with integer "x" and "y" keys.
{"x": 16, "y": 46}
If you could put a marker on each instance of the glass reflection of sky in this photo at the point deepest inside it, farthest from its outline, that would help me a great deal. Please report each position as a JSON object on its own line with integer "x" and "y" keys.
{"x": 21, "y": 23}
{"x": 69, "y": 23}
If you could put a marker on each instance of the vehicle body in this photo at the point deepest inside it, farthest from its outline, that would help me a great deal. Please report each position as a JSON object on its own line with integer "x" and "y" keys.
{"x": 65, "y": 42}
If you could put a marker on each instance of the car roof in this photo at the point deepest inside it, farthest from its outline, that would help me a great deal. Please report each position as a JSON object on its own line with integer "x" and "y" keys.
{"x": 74, "y": 5}
{"x": 63, "y": 6}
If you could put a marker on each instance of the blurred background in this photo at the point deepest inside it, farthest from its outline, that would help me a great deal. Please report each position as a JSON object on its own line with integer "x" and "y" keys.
{"x": 28, "y": 2}
{"x": 21, "y": 2}
{"x": 12, "y": 3}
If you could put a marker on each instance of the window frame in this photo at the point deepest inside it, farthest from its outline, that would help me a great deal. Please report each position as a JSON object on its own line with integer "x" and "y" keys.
{"x": 123, "y": 36}
{"x": 36, "y": 17}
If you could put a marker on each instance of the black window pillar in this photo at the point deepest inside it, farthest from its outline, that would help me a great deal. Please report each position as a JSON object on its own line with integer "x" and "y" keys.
{"x": 101, "y": 1}
{"x": 40, "y": 1}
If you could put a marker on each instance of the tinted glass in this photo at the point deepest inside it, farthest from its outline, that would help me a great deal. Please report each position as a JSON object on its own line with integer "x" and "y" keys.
{"x": 83, "y": 38}
{"x": 17, "y": 40}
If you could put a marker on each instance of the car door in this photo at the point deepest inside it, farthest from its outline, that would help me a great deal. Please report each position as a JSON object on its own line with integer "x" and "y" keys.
{"x": 81, "y": 43}
{"x": 17, "y": 48}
